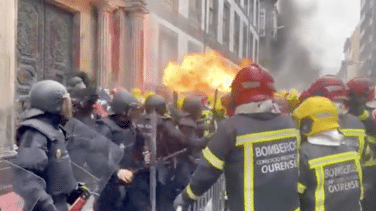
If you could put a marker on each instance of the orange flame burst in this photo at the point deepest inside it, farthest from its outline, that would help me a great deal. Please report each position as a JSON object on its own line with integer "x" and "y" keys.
{"x": 201, "y": 72}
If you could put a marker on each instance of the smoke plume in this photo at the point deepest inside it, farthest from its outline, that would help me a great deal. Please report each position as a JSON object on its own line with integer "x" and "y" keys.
{"x": 293, "y": 65}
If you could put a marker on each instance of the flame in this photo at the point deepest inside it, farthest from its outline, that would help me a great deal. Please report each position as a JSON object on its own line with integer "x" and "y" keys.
{"x": 201, "y": 72}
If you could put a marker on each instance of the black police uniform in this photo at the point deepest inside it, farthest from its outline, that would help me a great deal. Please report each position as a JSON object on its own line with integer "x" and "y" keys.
{"x": 42, "y": 150}
{"x": 115, "y": 196}
{"x": 121, "y": 136}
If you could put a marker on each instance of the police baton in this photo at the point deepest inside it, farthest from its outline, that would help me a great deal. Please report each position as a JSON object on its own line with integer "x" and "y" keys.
{"x": 153, "y": 160}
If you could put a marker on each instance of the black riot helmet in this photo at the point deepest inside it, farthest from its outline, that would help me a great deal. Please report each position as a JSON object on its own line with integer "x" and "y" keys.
{"x": 75, "y": 83}
{"x": 157, "y": 103}
{"x": 122, "y": 102}
{"x": 83, "y": 100}
{"x": 193, "y": 107}
{"x": 48, "y": 95}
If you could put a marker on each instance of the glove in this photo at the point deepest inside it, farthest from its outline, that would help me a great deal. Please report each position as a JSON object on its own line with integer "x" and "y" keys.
{"x": 356, "y": 106}
{"x": 180, "y": 202}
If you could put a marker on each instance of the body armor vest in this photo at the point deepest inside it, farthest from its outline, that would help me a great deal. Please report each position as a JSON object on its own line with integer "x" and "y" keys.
{"x": 58, "y": 174}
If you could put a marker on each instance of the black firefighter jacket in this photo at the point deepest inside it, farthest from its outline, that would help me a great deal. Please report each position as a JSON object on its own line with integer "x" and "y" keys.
{"x": 258, "y": 154}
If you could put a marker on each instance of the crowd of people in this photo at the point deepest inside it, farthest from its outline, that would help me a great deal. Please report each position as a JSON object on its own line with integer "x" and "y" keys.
{"x": 277, "y": 150}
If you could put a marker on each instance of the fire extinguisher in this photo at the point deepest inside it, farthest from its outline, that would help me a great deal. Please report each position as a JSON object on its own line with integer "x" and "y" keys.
{"x": 78, "y": 197}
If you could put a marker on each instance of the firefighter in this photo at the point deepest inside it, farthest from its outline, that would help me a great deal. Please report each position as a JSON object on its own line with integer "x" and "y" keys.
{"x": 256, "y": 178}
{"x": 333, "y": 88}
{"x": 330, "y": 172}
{"x": 42, "y": 147}
{"x": 225, "y": 103}
{"x": 361, "y": 97}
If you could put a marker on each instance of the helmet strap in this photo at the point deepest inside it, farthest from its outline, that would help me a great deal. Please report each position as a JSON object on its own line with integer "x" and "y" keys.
{"x": 306, "y": 125}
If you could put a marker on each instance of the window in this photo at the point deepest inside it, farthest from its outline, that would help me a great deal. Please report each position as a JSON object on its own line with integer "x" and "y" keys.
{"x": 226, "y": 24}
{"x": 275, "y": 24}
{"x": 362, "y": 33}
{"x": 251, "y": 10}
{"x": 257, "y": 14}
{"x": 172, "y": 5}
{"x": 213, "y": 17}
{"x": 195, "y": 11}
{"x": 256, "y": 51}
{"x": 250, "y": 45}
{"x": 236, "y": 33}
{"x": 362, "y": 48}
{"x": 363, "y": 17}
{"x": 245, "y": 40}
{"x": 262, "y": 22}
{"x": 246, "y": 6}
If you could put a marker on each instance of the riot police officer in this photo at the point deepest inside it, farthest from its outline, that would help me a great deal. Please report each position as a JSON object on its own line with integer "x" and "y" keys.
{"x": 169, "y": 140}
{"x": 42, "y": 147}
{"x": 120, "y": 129}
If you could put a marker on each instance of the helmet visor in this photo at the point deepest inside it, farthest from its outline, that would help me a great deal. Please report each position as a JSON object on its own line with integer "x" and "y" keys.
{"x": 66, "y": 108}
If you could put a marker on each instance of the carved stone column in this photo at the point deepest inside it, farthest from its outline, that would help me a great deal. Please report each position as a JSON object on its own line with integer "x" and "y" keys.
{"x": 104, "y": 46}
{"x": 133, "y": 41}
{"x": 8, "y": 16}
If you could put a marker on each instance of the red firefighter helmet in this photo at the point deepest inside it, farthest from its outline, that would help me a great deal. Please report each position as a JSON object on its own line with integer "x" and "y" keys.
{"x": 304, "y": 95}
{"x": 329, "y": 86}
{"x": 252, "y": 84}
{"x": 361, "y": 87}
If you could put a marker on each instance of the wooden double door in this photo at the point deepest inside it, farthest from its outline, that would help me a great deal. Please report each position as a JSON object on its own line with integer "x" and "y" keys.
{"x": 45, "y": 44}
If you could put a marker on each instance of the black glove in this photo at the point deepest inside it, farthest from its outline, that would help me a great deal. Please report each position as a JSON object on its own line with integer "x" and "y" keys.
{"x": 356, "y": 106}
{"x": 180, "y": 202}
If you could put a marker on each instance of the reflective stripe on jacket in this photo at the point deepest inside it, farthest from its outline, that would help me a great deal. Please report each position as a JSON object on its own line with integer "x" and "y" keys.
{"x": 330, "y": 178}
{"x": 258, "y": 154}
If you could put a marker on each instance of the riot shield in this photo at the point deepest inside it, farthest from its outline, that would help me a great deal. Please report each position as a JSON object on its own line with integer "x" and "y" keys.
{"x": 85, "y": 177}
{"x": 93, "y": 185}
{"x": 92, "y": 151}
{"x": 19, "y": 188}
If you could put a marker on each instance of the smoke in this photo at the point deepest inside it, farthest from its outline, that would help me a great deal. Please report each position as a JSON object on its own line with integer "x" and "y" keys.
{"x": 293, "y": 65}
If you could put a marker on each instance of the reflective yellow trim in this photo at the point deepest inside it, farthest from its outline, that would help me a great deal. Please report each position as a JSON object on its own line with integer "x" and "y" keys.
{"x": 190, "y": 193}
{"x": 298, "y": 209}
{"x": 320, "y": 191}
{"x": 360, "y": 175}
{"x": 248, "y": 178}
{"x": 358, "y": 133}
{"x": 213, "y": 159}
{"x": 247, "y": 141}
{"x": 369, "y": 163}
{"x": 364, "y": 116}
{"x": 333, "y": 159}
{"x": 301, "y": 188}
{"x": 319, "y": 164}
{"x": 267, "y": 136}
{"x": 371, "y": 139}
